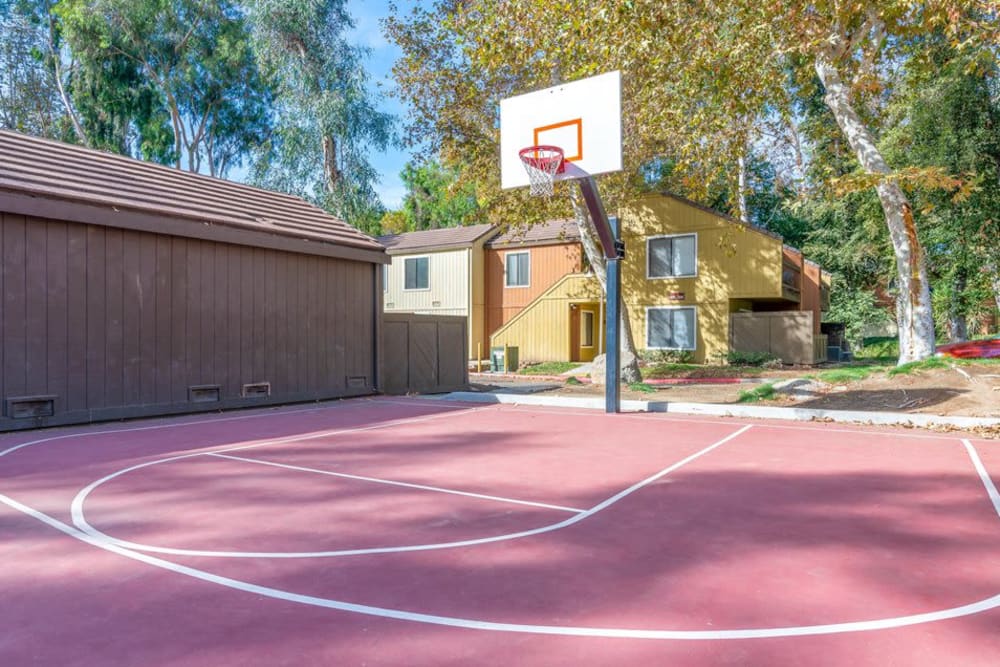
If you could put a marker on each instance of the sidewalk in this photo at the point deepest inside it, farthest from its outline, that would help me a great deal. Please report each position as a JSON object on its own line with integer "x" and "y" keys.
{"x": 733, "y": 410}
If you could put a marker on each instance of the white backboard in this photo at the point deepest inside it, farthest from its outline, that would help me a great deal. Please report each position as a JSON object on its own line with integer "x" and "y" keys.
{"x": 582, "y": 117}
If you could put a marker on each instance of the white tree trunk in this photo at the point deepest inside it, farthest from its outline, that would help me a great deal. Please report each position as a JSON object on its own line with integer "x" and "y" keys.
{"x": 741, "y": 195}
{"x": 996, "y": 289}
{"x": 913, "y": 301}
{"x": 629, "y": 359}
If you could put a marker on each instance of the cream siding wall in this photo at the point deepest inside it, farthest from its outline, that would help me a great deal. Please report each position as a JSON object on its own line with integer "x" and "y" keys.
{"x": 450, "y": 290}
{"x": 448, "y": 278}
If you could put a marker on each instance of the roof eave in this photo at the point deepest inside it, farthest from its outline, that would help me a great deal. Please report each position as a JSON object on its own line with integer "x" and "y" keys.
{"x": 120, "y": 217}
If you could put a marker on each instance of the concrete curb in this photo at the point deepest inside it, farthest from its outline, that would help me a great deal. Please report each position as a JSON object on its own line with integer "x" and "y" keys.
{"x": 584, "y": 379}
{"x": 726, "y": 410}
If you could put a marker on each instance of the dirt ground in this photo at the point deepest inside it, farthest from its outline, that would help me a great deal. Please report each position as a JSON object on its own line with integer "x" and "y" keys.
{"x": 968, "y": 390}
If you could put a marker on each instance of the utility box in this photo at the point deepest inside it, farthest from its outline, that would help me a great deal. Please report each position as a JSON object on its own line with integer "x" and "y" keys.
{"x": 500, "y": 355}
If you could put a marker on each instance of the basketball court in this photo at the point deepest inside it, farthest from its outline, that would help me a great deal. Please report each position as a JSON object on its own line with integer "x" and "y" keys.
{"x": 423, "y": 532}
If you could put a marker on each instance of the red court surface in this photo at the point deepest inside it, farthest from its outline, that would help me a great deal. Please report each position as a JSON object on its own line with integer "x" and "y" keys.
{"x": 419, "y": 532}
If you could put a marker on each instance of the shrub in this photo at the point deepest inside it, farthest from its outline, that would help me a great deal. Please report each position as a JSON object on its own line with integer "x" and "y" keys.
{"x": 752, "y": 359}
{"x": 667, "y": 356}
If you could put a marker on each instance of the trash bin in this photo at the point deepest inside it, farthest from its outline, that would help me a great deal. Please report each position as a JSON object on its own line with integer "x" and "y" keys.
{"x": 496, "y": 359}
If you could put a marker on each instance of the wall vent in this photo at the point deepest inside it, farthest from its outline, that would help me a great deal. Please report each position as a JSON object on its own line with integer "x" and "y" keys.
{"x": 435, "y": 304}
{"x": 357, "y": 381}
{"x": 256, "y": 390}
{"x": 204, "y": 393}
{"x": 29, "y": 407}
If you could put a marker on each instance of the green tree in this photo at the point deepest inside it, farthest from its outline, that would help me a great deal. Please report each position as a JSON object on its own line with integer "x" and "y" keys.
{"x": 698, "y": 82}
{"x": 948, "y": 120}
{"x": 169, "y": 70}
{"x": 327, "y": 123}
{"x": 434, "y": 198}
{"x": 29, "y": 97}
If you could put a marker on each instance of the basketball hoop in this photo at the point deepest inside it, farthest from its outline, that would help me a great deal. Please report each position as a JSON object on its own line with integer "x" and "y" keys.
{"x": 542, "y": 164}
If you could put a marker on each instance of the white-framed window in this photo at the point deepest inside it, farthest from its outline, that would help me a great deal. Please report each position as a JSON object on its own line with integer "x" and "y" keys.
{"x": 586, "y": 328}
{"x": 671, "y": 328}
{"x": 673, "y": 256}
{"x": 416, "y": 273}
{"x": 517, "y": 269}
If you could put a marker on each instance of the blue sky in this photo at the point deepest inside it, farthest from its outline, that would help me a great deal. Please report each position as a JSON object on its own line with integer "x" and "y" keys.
{"x": 368, "y": 32}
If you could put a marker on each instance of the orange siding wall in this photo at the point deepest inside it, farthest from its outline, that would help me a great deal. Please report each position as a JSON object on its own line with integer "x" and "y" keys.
{"x": 811, "y": 292}
{"x": 548, "y": 264}
{"x": 792, "y": 255}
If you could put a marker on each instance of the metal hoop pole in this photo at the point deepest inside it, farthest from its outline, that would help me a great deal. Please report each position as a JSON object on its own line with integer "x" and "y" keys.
{"x": 614, "y": 251}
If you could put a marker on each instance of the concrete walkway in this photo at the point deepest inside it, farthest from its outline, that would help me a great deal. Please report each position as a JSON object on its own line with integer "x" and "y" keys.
{"x": 732, "y": 410}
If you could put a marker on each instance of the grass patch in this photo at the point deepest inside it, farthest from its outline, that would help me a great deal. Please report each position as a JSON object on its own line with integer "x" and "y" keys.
{"x": 971, "y": 362}
{"x": 761, "y": 393}
{"x": 917, "y": 366}
{"x": 881, "y": 348}
{"x": 663, "y": 370}
{"x": 572, "y": 380}
{"x": 642, "y": 387}
{"x": 548, "y": 368}
{"x": 847, "y": 374}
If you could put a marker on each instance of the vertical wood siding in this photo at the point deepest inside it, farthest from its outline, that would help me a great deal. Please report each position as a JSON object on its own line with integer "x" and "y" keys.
{"x": 455, "y": 288}
{"x": 811, "y": 282}
{"x": 542, "y": 332}
{"x": 733, "y": 263}
{"x": 548, "y": 265}
{"x": 448, "y": 283}
{"x": 115, "y": 323}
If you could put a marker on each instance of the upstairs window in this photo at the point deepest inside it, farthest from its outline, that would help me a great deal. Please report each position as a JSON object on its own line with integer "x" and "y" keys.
{"x": 672, "y": 256}
{"x": 518, "y": 269}
{"x": 416, "y": 273}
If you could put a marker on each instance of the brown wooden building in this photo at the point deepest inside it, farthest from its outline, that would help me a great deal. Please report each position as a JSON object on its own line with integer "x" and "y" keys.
{"x": 132, "y": 289}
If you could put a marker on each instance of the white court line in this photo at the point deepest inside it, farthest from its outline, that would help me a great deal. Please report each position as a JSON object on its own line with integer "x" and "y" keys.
{"x": 476, "y": 624}
{"x": 81, "y": 522}
{"x": 991, "y": 489}
{"x": 750, "y": 633}
{"x": 390, "y": 482}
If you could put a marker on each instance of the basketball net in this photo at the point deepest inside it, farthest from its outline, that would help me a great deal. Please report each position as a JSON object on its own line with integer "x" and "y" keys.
{"x": 542, "y": 164}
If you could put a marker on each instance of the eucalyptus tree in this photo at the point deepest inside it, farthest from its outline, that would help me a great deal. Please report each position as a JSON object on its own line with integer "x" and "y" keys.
{"x": 327, "y": 121}
{"x": 180, "y": 73}
{"x": 29, "y": 96}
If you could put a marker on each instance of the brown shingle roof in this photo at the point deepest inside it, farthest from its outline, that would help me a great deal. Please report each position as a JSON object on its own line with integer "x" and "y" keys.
{"x": 553, "y": 231}
{"x": 434, "y": 239}
{"x": 51, "y": 169}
